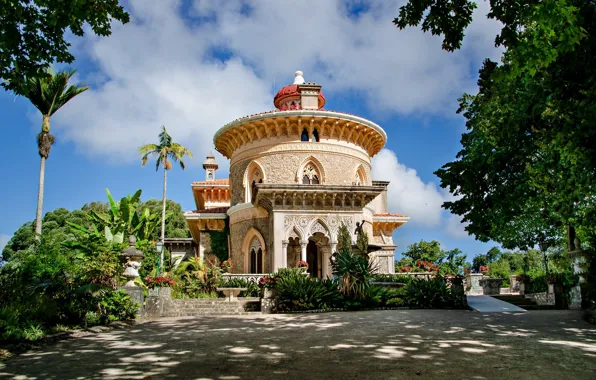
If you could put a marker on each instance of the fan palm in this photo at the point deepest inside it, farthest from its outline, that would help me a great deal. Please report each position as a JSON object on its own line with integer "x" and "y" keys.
{"x": 48, "y": 94}
{"x": 166, "y": 152}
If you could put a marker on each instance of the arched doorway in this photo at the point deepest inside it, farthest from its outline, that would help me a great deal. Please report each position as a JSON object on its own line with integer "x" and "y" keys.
{"x": 312, "y": 258}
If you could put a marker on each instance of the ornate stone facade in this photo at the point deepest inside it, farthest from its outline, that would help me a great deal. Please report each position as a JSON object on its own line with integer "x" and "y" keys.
{"x": 296, "y": 175}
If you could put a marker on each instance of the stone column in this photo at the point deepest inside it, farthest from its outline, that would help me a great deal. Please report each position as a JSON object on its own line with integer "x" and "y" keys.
{"x": 278, "y": 237}
{"x": 333, "y": 246}
{"x": 284, "y": 252}
{"x": 303, "y": 244}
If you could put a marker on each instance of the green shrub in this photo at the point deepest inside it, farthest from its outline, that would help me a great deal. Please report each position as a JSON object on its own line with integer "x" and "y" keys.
{"x": 432, "y": 293}
{"x": 117, "y": 306}
{"x": 394, "y": 278}
{"x": 33, "y": 332}
{"x": 296, "y": 291}
{"x": 354, "y": 273}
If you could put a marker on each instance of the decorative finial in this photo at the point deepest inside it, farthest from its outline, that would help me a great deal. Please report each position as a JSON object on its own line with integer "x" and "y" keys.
{"x": 132, "y": 240}
{"x": 298, "y": 77}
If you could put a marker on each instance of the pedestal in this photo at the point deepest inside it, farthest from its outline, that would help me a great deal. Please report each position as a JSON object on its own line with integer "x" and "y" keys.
{"x": 136, "y": 294}
{"x": 491, "y": 286}
{"x": 473, "y": 283}
{"x": 268, "y": 301}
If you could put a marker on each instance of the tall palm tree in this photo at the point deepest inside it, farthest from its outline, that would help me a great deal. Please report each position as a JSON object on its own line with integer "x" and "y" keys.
{"x": 48, "y": 94}
{"x": 166, "y": 151}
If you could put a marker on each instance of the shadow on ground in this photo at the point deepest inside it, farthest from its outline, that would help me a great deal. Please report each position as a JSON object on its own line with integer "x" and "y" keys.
{"x": 377, "y": 344}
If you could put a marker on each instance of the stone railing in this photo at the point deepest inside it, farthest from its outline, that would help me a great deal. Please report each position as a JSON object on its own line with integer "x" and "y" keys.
{"x": 252, "y": 277}
{"x": 422, "y": 275}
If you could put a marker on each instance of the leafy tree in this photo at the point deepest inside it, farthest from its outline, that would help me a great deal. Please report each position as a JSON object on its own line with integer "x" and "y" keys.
{"x": 32, "y": 34}
{"x": 479, "y": 261}
{"x": 423, "y": 251}
{"x": 528, "y": 162}
{"x": 48, "y": 94}
{"x": 453, "y": 263}
{"x": 166, "y": 151}
{"x": 493, "y": 254}
{"x": 176, "y": 226}
{"x": 344, "y": 239}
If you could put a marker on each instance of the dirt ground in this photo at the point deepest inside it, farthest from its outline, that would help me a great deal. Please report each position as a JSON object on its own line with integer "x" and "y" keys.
{"x": 419, "y": 344}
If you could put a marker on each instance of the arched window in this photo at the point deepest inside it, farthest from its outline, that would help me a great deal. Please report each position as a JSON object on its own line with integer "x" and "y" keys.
{"x": 304, "y": 136}
{"x": 315, "y": 136}
{"x": 310, "y": 175}
{"x": 253, "y": 261}
{"x": 256, "y": 259}
{"x": 254, "y": 175}
{"x": 209, "y": 175}
{"x": 360, "y": 177}
{"x": 357, "y": 179}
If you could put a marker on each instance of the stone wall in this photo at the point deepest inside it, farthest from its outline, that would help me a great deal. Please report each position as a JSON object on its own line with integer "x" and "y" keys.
{"x": 281, "y": 168}
{"x": 542, "y": 298}
{"x": 238, "y": 232}
{"x": 204, "y": 244}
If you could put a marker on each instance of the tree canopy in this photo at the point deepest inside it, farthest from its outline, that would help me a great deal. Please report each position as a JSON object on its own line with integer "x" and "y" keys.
{"x": 528, "y": 161}
{"x": 32, "y": 34}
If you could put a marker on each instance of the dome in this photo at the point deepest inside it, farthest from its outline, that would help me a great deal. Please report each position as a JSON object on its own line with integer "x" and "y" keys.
{"x": 288, "y": 98}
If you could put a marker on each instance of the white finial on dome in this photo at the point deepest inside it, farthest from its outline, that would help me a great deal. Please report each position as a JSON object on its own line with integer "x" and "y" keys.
{"x": 298, "y": 77}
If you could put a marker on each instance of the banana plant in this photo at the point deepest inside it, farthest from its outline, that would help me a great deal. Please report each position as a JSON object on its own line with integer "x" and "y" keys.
{"x": 123, "y": 219}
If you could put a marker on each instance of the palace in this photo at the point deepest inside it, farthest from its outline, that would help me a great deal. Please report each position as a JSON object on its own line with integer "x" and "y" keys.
{"x": 296, "y": 174}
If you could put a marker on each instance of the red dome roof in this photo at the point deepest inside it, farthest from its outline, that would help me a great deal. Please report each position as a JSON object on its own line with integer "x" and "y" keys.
{"x": 291, "y": 92}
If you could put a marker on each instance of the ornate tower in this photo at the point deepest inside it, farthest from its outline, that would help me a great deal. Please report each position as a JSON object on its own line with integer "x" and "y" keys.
{"x": 210, "y": 166}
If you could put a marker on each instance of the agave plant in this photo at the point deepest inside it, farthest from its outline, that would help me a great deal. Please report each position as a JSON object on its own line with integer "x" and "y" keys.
{"x": 354, "y": 272}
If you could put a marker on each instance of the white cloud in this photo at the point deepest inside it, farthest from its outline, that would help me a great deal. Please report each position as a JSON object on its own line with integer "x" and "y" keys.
{"x": 4, "y": 240}
{"x": 161, "y": 67}
{"x": 408, "y": 194}
{"x": 455, "y": 227}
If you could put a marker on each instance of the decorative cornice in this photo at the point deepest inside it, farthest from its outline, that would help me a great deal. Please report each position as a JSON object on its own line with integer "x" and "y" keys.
{"x": 332, "y": 125}
{"x": 314, "y": 197}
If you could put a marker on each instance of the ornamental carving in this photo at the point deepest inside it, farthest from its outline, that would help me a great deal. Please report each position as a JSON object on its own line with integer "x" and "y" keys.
{"x": 318, "y": 227}
{"x": 299, "y": 147}
{"x": 255, "y": 245}
{"x": 295, "y": 224}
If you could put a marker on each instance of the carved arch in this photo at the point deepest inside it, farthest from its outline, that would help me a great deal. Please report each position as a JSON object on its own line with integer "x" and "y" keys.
{"x": 360, "y": 175}
{"x": 319, "y": 225}
{"x": 254, "y": 172}
{"x": 315, "y": 164}
{"x": 254, "y": 241}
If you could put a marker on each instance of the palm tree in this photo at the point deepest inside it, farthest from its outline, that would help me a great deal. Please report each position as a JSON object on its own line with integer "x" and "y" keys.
{"x": 48, "y": 94}
{"x": 166, "y": 151}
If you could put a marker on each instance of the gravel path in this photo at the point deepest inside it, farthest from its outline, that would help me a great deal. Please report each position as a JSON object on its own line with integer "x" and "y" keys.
{"x": 425, "y": 344}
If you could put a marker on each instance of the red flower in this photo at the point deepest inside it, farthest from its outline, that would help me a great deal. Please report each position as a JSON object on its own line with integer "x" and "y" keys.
{"x": 302, "y": 264}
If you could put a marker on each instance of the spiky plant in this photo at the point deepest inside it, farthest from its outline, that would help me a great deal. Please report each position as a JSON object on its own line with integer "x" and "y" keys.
{"x": 48, "y": 94}
{"x": 166, "y": 151}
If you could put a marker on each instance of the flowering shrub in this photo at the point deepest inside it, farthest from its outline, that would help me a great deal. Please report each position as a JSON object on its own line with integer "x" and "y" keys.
{"x": 302, "y": 264}
{"x": 158, "y": 282}
{"x": 427, "y": 266}
{"x": 267, "y": 282}
{"x": 226, "y": 265}
{"x": 405, "y": 269}
{"x": 484, "y": 268}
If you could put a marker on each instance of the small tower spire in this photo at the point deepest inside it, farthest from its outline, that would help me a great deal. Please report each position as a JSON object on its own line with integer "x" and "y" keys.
{"x": 210, "y": 166}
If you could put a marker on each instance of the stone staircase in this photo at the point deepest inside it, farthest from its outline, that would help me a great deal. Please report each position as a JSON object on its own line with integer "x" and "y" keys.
{"x": 523, "y": 302}
{"x": 211, "y": 306}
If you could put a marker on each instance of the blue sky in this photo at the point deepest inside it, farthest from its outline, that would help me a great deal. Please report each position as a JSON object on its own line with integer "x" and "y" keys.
{"x": 195, "y": 65}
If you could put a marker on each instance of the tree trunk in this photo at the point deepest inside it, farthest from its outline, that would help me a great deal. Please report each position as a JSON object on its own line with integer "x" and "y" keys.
{"x": 38, "y": 215}
{"x": 163, "y": 216}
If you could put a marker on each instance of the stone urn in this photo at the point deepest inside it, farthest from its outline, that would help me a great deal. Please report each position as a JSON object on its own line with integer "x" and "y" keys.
{"x": 491, "y": 286}
{"x": 131, "y": 259}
